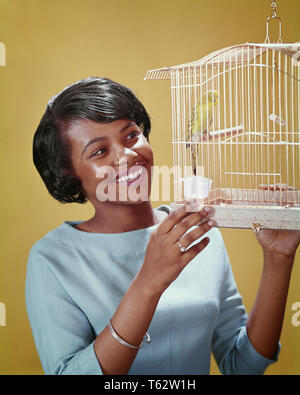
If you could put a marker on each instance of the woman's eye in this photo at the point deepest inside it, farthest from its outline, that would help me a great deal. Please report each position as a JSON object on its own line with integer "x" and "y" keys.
{"x": 133, "y": 134}
{"x": 99, "y": 152}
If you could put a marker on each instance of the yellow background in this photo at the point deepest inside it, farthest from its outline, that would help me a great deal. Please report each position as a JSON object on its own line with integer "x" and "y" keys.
{"x": 52, "y": 43}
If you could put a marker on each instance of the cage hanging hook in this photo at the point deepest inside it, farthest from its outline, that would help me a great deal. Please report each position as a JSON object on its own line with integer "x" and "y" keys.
{"x": 270, "y": 18}
{"x": 274, "y": 6}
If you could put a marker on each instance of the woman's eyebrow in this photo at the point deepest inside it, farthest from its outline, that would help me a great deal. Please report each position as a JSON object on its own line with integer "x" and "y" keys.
{"x": 101, "y": 138}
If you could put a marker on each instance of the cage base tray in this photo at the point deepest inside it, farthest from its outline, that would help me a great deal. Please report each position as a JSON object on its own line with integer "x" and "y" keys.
{"x": 239, "y": 216}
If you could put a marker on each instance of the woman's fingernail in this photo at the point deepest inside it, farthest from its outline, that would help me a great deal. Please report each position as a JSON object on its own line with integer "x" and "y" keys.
{"x": 191, "y": 205}
{"x": 207, "y": 209}
{"x": 211, "y": 223}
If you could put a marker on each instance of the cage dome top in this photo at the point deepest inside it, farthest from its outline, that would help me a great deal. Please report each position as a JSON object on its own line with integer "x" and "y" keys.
{"x": 236, "y": 54}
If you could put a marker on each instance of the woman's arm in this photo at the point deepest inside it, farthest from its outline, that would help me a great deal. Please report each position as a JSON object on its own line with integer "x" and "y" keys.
{"x": 265, "y": 320}
{"x": 130, "y": 321}
{"x": 162, "y": 265}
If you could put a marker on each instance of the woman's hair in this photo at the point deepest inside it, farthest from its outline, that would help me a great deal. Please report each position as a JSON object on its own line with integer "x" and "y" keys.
{"x": 97, "y": 99}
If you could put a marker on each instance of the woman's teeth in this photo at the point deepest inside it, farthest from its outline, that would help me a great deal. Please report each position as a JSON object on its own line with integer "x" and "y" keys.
{"x": 130, "y": 177}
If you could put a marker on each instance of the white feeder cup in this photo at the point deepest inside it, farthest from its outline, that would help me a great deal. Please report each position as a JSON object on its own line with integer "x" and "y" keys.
{"x": 196, "y": 187}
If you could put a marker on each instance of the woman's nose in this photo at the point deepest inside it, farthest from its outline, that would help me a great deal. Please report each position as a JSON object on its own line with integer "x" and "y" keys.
{"x": 123, "y": 155}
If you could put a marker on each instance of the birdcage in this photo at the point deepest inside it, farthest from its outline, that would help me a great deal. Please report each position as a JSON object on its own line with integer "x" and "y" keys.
{"x": 236, "y": 133}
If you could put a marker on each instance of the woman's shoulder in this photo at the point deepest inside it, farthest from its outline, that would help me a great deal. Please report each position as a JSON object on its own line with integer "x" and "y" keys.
{"x": 51, "y": 244}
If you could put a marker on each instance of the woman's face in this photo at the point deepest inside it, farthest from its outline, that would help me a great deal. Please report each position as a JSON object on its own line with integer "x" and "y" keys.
{"x": 113, "y": 161}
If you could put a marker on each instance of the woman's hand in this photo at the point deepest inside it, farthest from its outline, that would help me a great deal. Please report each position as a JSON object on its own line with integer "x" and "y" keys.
{"x": 283, "y": 243}
{"x": 279, "y": 242}
{"x": 163, "y": 259}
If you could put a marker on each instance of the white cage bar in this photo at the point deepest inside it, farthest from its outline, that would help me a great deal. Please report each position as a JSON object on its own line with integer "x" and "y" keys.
{"x": 236, "y": 121}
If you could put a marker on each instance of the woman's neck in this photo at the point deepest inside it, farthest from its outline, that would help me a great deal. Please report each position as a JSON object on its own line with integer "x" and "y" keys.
{"x": 119, "y": 218}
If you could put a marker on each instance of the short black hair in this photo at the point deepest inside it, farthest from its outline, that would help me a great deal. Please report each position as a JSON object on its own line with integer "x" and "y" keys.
{"x": 97, "y": 99}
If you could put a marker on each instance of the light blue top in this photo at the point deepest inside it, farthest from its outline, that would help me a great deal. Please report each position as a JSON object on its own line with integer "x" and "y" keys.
{"x": 76, "y": 280}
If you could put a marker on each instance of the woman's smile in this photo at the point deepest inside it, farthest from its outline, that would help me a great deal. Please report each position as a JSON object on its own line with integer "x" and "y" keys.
{"x": 129, "y": 176}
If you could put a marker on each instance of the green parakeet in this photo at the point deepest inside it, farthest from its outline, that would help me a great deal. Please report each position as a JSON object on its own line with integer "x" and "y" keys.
{"x": 201, "y": 120}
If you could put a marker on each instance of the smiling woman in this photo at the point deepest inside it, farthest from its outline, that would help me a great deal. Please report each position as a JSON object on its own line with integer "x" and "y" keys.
{"x": 95, "y": 288}
{"x": 106, "y": 157}
{"x": 95, "y": 99}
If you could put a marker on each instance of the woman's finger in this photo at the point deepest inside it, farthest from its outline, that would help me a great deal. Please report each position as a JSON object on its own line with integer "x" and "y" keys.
{"x": 196, "y": 233}
{"x": 173, "y": 218}
{"x": 187, "y": 222}
{"x": 188, "y": 255}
